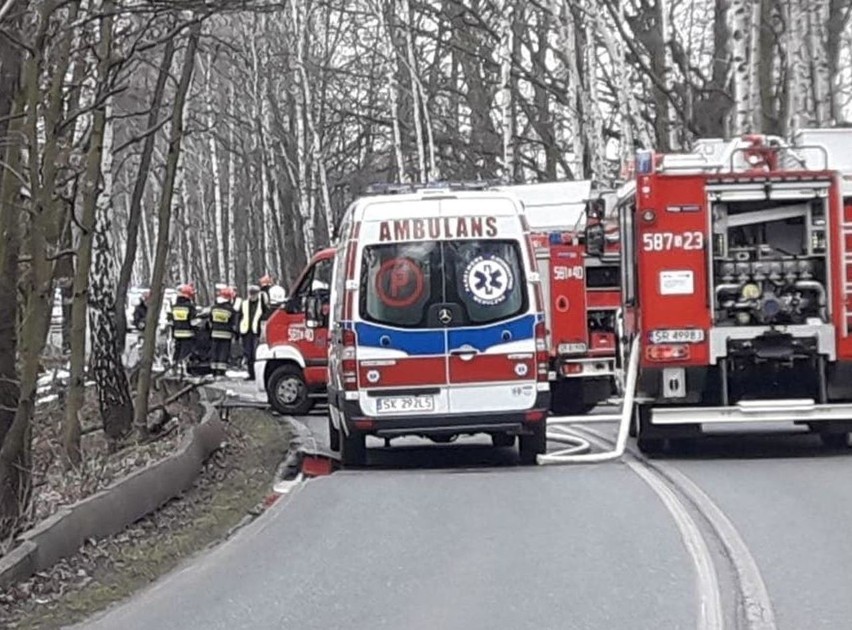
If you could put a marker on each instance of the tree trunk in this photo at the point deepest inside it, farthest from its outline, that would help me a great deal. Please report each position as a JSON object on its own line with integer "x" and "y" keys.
{"x": 506, "y": 9}
{"x": 10, "y": 244}
{"x": 114, "y": 402}
{"x": 135, "y": 210}
{"x": 47, "y": 218}
{"x": 165, "y": 218}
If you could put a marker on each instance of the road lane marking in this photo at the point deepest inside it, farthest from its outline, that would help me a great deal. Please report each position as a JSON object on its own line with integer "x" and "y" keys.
{"x": 706, "y": 582}
{"x": 757, "y": 604}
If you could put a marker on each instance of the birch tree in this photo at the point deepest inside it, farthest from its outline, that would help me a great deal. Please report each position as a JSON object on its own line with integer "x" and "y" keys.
{"x": 88, "y": 202}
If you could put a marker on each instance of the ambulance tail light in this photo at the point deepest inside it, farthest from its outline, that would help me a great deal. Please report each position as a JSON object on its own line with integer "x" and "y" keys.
{"x": 541, "y": 354}
{"x": 664, "y": 353}
{"x": 349, "y": 361}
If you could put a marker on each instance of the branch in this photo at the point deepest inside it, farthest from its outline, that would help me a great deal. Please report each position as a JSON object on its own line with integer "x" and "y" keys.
{"x": 54, "y": 257}
{"x": 6, "y": 8}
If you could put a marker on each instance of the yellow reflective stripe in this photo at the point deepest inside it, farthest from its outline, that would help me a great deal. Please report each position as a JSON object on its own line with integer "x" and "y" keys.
{"x": 180, "y": 313}
{"x": 220, "y": 315}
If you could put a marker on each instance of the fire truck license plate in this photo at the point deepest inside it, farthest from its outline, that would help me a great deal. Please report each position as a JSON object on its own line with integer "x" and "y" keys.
{"x": 405, "y": 404}
{"x": 685, "y": 335}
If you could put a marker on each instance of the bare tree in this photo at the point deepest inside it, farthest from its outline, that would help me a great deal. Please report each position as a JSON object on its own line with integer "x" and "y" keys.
{"x": 176, "y": 133}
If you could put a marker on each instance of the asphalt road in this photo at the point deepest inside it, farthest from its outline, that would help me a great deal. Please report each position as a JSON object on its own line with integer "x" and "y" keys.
{"x": 459, "y": 536}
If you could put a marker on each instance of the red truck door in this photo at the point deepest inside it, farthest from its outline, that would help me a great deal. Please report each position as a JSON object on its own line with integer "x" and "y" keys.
{"x": 568, "y": 319}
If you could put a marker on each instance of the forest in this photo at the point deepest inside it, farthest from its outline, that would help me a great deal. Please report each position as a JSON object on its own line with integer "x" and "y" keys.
{"x": 161, "y": 142}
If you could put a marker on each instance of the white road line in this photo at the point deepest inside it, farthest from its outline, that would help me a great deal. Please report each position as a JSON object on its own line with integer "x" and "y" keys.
{"x": 756, "y": 601}
{"x": 758, "y": 605}
{"x": 706, "y": 583}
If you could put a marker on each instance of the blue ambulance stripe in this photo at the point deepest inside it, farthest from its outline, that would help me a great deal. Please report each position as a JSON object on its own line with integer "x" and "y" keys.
{"x": 431, "y": 342}
{"x": 412, "y": 342}
{"x": 483, "y": 338}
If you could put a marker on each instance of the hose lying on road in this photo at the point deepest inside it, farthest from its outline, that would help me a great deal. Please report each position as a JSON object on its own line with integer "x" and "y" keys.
{"x": 577, "y": 448}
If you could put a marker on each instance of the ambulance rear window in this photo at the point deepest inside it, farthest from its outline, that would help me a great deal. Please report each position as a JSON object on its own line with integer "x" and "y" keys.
{"x": 481, "y": 280}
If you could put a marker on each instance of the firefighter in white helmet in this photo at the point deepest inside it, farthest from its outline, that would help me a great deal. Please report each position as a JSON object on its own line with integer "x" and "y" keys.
{"x": 251, "y": 312}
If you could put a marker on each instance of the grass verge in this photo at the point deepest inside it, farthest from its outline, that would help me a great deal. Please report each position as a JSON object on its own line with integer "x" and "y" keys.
{"x": 233, "y": 485}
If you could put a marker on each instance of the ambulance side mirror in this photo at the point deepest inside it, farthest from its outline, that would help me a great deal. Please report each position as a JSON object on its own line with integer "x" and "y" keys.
{"x": 313, "y": 312}
{"x": 595, "y": 239}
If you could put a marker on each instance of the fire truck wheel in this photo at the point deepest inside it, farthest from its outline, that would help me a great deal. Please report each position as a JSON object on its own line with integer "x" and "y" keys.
{"x": 650, "y": 446}
{"x": 533, "y": 444}
{"x": 502, "y": 440}
{"x": 835, "y": 441}
{"x": 288, "y": 393}
{"x": 333, "y": 436}
{"x": 353, "y": 449}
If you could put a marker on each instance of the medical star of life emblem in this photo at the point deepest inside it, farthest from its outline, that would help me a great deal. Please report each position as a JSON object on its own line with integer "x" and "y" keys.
{"x": 488, "y": 280}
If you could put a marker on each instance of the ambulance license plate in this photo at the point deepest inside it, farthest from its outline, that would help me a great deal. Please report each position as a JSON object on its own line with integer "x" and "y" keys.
{"x": 405, "y": 404}
{"x": 685, "y": 335}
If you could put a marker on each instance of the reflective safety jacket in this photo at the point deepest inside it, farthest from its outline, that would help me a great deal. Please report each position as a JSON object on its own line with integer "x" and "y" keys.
{"x": 222, "y": 320}
{"x": 252, "y": 310}
{"x": 181, "y": 316}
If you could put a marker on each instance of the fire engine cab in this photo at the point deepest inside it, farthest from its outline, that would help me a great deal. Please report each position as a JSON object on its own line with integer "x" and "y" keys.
{"x": 738, "y": 284}
{"x": 292, "y": 358}
{"x": 581, "y": 284}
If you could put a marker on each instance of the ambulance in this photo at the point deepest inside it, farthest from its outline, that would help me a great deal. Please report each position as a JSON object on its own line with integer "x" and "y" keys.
{"x": 436, "y": 322}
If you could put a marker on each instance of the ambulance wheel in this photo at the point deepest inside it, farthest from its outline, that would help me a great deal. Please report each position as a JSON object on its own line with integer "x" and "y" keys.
{"x": 333, "y": 436}
{"x": 353, "y": 449}
{"x": 502, "y": 440}
{"x": 533, "y": 444}
{"x": 288, "y": 393}
{"x": 835, "y": 441}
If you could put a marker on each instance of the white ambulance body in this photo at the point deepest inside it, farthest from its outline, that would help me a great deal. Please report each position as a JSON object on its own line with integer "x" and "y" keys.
{"x": 436, "y": 322}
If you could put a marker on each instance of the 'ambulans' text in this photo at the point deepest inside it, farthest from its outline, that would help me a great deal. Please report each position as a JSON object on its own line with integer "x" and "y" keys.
{"x": 438, "y": 228}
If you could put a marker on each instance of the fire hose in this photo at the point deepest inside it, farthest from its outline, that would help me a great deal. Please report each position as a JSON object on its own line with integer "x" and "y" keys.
{"x": 577, "y": 449}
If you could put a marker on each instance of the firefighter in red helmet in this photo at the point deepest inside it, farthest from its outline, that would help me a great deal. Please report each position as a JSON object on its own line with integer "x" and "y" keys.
{"x": 182, "y": 313}
{"x": 223, "y": 318}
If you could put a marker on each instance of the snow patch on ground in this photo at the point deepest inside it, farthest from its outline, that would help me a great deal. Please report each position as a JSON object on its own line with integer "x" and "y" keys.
{"x": 47, "y": 399}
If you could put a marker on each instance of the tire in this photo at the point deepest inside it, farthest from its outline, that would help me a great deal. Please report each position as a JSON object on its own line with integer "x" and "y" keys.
{"x": 287, "y": 391}
{"x": 353, "y": 449}
{"x": 503, "y": 440}
{"x": 835, "y": 441}
{"x": 533, "y": 444}
{"x": 566, "y": 398}
{"x": 333, "y": 436}
{"x": 650, "y": 446}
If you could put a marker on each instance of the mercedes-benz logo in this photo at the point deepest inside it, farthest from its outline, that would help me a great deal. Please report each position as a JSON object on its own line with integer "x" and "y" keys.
{"x": 445, "y": 316}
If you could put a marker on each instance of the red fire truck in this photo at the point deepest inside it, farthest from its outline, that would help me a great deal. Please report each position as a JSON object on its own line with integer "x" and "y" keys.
{"x": 292, "y": 359}
{"x": 582, "y": 292}
{"x": 738, "y": 284}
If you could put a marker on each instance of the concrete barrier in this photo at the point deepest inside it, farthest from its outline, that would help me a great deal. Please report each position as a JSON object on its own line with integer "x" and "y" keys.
{"x": 120, "y": 504}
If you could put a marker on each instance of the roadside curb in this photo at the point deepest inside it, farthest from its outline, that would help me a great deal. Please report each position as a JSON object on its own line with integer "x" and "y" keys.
{"x": 120, "y": 504}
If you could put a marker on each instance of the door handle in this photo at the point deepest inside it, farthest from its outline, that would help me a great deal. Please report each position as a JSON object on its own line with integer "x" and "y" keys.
{"x": 464, "y": 352}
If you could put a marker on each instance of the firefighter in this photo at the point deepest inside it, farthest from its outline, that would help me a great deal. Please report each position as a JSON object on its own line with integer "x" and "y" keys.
{"x": 266, "y": 283}
{"x": 222, "y": 324}
{"x": 141, "y": 311}
{"x": 180, "y": 316}
{"x": 251, "y": 312}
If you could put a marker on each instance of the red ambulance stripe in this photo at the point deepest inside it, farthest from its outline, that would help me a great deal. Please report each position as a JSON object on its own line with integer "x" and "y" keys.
{"x": 416, "y": 371}
{"x": 490, "y": 368}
